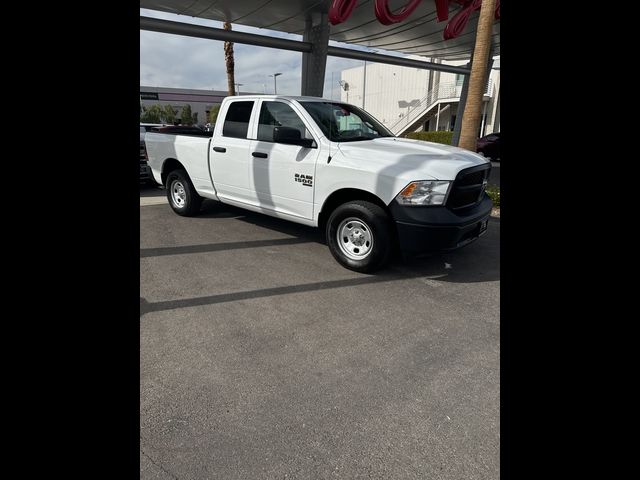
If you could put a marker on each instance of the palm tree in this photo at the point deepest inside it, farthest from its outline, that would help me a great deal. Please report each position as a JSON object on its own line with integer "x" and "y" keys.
{"x": 230, "y": 63}
{"x": 472, "y": 110}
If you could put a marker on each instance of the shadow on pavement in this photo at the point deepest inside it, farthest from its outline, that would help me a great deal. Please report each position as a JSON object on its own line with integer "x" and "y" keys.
{"x": 217, "y": 247}
{"x": 148, "y": 190}
{"x": 477, "y": 262}
{"x": 386, "y": 276}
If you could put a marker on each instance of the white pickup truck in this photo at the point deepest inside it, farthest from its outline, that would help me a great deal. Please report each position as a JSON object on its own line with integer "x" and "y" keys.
{"x": 330, "y": 165}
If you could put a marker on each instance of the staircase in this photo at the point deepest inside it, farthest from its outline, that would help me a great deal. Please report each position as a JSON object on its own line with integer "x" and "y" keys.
{"x": 441, "y": 93}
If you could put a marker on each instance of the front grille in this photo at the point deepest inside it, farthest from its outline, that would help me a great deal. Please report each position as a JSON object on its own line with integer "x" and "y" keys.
{"x": 468, "y": 187}
{"x": 471, "y": 178}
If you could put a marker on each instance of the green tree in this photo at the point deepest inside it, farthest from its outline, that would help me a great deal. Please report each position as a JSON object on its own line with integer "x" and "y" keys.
{"x": 153, "y": 114}
{"x": 186, "y": 115}
{"x": 169, "y": 114}
{"x": 213, "y": 113}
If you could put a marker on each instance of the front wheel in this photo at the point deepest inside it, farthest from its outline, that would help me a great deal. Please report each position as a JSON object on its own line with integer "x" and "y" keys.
{"x": 182, "y": 195}
{"x": 359, "y": 236}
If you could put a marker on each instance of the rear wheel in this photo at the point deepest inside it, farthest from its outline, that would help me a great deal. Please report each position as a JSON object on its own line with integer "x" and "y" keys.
{"x": 359, "y": 236}
{"x": 181, "y": 194}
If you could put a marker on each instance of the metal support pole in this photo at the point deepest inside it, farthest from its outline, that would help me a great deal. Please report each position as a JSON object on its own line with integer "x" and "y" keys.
{"x": 332, "y": 85}
{"x": 364, "y": 84}
{"x": 484, "y": 116}
{"x": 438, "y": 117}
{"x": 211, "y": 33}
{"x": 391, "y": 60}
{"x": 496, "y": 120}
{"x": 275, "y": 83}
{"x": 461, "y": 104}
{"x": 314, "y": 63}
{"x": 436, "y": 80}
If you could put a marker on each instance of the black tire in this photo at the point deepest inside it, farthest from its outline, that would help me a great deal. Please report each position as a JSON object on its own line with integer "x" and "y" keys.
{"x": 191, "y": 201}
{"x": 375, "y": 225}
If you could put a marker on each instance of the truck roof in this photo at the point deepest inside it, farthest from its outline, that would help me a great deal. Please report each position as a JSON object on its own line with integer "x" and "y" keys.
{"x": 284, "y": 97}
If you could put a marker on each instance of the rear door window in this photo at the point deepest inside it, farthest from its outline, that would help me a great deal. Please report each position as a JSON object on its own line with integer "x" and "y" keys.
{"x": 236, "y": 122}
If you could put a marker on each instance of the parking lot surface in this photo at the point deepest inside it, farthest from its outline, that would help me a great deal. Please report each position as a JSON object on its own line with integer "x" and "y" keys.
{"x": 261, "y": 357}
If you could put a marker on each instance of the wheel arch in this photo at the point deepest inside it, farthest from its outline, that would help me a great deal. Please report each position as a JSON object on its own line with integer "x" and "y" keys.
{"x": 169, "y": 165}
{"x": 345, "y": 195}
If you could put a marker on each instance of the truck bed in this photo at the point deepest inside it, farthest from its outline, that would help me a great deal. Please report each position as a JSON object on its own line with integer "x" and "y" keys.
{"x": 192, "y": 150}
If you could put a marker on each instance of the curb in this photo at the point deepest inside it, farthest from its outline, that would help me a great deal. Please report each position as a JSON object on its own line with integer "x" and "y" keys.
{"x": 147, "y": 201}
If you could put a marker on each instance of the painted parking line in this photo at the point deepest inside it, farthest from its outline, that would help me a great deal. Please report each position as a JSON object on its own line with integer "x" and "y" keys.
{"x": 146, "y": 201}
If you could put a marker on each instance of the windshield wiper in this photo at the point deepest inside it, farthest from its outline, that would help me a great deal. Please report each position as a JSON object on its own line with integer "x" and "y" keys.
{"x": 355, "y": 139}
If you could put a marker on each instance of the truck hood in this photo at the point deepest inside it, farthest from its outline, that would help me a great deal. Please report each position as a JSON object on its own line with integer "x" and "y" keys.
{"x": 409, "y": 159}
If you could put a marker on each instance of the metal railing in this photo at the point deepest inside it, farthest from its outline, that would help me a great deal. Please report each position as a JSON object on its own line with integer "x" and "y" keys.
{"x": 442, "y": 91}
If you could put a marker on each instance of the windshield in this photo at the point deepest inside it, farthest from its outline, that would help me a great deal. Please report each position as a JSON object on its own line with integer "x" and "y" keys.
{"x": 341, "y": 122}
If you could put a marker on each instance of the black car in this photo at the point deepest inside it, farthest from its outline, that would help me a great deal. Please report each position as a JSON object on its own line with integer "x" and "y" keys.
{"x": 489, "y": 146}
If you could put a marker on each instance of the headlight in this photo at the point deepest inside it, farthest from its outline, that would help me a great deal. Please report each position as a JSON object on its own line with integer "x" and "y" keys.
{"x": 424, "y": 193}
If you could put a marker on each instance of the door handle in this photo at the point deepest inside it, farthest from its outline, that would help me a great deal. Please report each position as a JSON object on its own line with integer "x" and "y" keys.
{"x": 259, "y": 154}
{"x": 219, "y": 149}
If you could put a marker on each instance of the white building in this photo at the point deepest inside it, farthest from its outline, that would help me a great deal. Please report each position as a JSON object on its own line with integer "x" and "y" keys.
{"x": 413, "y": 99}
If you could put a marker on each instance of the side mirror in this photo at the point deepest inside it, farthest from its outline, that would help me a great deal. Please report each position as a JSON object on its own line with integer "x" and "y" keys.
{"x": 291, "y": 136}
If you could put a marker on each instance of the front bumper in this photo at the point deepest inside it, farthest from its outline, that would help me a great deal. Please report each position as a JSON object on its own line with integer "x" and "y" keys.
{"x": 431, "y": 229}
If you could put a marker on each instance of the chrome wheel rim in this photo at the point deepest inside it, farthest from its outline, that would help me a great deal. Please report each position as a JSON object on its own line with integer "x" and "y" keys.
{"x": 178, "y": 195}
{"x": 354, "y": 238}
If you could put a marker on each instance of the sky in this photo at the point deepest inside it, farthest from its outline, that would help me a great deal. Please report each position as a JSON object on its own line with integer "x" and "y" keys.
{"x": 186, "y": 62}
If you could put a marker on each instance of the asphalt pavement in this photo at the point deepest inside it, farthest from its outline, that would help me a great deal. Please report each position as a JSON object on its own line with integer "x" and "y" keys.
{"x": 261, "y": 357}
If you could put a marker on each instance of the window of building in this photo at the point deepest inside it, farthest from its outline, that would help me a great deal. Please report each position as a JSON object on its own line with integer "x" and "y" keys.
{"x": 236, "y": 123}
{"x": 459, "y": 79}
{"x": 148, "y": 96}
